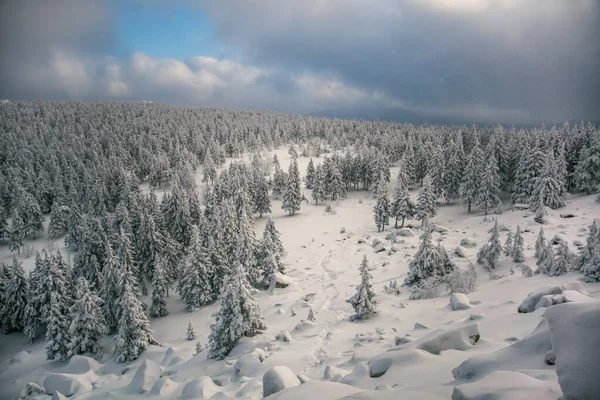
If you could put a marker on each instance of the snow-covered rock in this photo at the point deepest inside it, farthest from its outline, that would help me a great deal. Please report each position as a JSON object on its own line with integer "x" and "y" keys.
{"x": 277, "y": 379}
{"x": 313, "y": 390}
{"x": 559, "y": 238}
{"x": 462, "y": 338}
{"x": 569, "y": 292}
{"x": 574, "y": 334}
{"x": 459, "y": 301}
{"x": 379, "y": 248}
{"x": 334, "y": 374}
{"x": 68, "y": 384}
{"x": 406, "y": 232}
{"x": 439, "y": 228}
{"x": 283, "y": 336}
{"x": 58, "y": 396}
{"x": 81, "y": 364}
{"x": 201, "y": 388}
{"x": 376, "y": 241}
{"x": 390, "y": 236}
{"x": 468, "y": 242}
{"x": 461, "y": 252}
{"x": 507, "y": 385}
{"x": 279, "y": 280}
{"x": 248, "y": 365}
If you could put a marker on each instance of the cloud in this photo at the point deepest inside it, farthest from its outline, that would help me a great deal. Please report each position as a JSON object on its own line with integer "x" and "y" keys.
{"x": 474, "y": 60}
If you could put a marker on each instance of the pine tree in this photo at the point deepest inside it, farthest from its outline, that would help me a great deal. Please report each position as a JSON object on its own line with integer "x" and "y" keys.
{"x": 134, "y": 333}
{"x": 445, "y": 265}
{"x": 382, "y": 207}
{"x": 592, "y": 243}
{"x": 191, "y": 332}
{"x": 32, "y": 215}
{"x": 453, "y": 173}
{"x": 17, "y": 233}
{"x": 530, "y": 168}
{"x": 279, "y": 181}
{"x": 311, "y": 315}
{"x": 337, "y": 190}
{"x": 57, "y": 329}
{"x": 364, "y": 300}
{"x": 546, "y": 260}
{"x": 74, "y": 228}
{"x": 31, "y": 318}
{"x": 15, "y": 302}
{"x": 487, "y": 195}
{"x": 540, "y": 244}
{"x": 158, "y": 308}
{"x": 426, "y": 200}
{"x": 198, "y": 278}
{"x": 508, "y": 245}
{"x": 472, "y": 178}
{"x": 548, "y": 190}
{"x": 292, "y": 197}
{"x": 262, "y": 202}
{"x": 587, "y": 171}
{"x": 310, "y": 174}
{"x": 402, "y": 206}
{"x": 59, "y": 221}
{"x": 176, "y": 213}
{"x": 239, "y": 315}
{"x": 4, "y": 230}
{"x": 272, "y": 231}
{"x": 88, "y": 325}
{"x": 318, "y": 186}
{"x": 494, "y": 248}
{"x": 518, "y": 255}
{"x": 437, "y": 171}
{"x": 426, "y": 259}
{"x": 562, "y": 260}
{"x": 109, "y": 291}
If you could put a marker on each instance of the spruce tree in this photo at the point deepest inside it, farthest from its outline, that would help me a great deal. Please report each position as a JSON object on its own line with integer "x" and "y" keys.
{"x": 292, "y": 197}
{"x": 88, "y": 325}
{"x": 262, "y": 202}
{"x": 109, "y": 290}
{"x": 134, "y": 333}
{"x": 271, "y": 230}
{"x": 487, "y": 195}
{"x": 239, "y": 315}
{"x": 158, "y": 308}
{"x": 437, "y": 171}
{"x": 57, "y": 329}
{"x": 279, "y": 181}
{"x": 382, "y": 206}
{"x": 426, "y": 200}
{"x": 364, "y": 300}
{"x": 191, "y": 332}
{"x": 337, "y": 190}
{"x": 453, "y": 173}
{"x": 402, "y": 206}
{"x": 587, "y": 171}
{"x": 508, "y": 245}
{"x": 472, "y": 178}
{"x": 74, "y": 228}
{"x": 246, "y": 250}
{"x": 546, "y": 260}
{"x": 590, "y": 255}
{"x": 311, "y": 315}
{"x": 59, "y": 221}
{"x": 540, "y": 244}
{"x": 176, "y": 214}
{"x": 530, "y": 167}
{"x": 17, "y": 233}
{"x": 548, "y": 190}
{"x": 318, "y": 185}
{"x": 562, "y": 260}
{"x": 518, "y": 255}
{"x": 198, "y": 278}
{"x": 15, "y": 303}
{"x": 426, "y": 259}
{"x": 494, "y": 248}
{"x": 310, "y": 174}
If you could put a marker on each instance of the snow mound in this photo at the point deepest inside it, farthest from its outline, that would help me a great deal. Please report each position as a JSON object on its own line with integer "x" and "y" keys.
{"x": 376, "y": 241}
{"x": 459, "y": 301}
{"x": 58, "y": 396}
{"x": 169, "y": 354}
{"x": 249, "y": 390}
{"x": 248, "y": 365}
{"x": 379, "y": 248}
{"x": 165, "y": 387}
{"x": 507, "y": 385}
{"x": 280, "y": 280}
{"x": 334, "y": 374}
{"x": 461, "y": 252}
{"x": 201, "y": 388}
{"x": 468, "y": 242}
{"x": 278, "y": 378}
{"x": 391, "y": 395}
{"x": 439, "y": 228}
{"x": 462, "y": 338}
{"x": 406, "y": 232}
{"x": 559, "y": 238}
{"x": 81, "y": 365}
{"x": 392, "y": 360}
{"x": 574, "y": 333}
{"x": 69, "y": 384}
{"x": 315, "y": 390}
{"x": 358, "y": 374}
{"x": 20, "y": 357}
{"x": 145, "y": 376}
{"x": 569, "y": 292}
{"x": 283, "y": 336}
{"x": 527, "y": 353}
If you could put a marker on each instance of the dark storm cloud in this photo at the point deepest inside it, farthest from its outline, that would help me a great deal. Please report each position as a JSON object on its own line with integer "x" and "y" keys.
{"x": 535, "y": 59}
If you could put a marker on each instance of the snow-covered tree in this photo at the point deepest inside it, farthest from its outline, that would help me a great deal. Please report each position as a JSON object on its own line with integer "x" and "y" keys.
{"x": 134, "y": 333}
{"x": 548, "y": 190}
{"x": 109, "y": 290}
{"x": 587, "y": 171}
{"x": 508, "y": 245}
{"x": 335, "y": 185}
{"x": 74, "y": 228}
{"x": 198, "y": 280}
{"x": 562, "y": 259}
{"x": 88, "y": 325}
{"x": 493, "y": 248}
{"x": 540, "y": 244}
{"x": 158, "y": 308}
{"x": 177, "y": 218}
{"x": 426, "y": 200}
{"x": 425, "y": 261}
{"x": 402, "y": 206}
{"x": 292, "y": 197}
{"x": 17, "y": 233}
{"x": 239, "y": 315}
{"x": 531, "y": 163}
{"x": 453, "y": 174}
{"x": 262, "y": 202}
{"x": 381, "y": 209}
{"x": 546, "y": 260}
{"x": 15, "y": 301}
{"x": 318, "y": 185}
{"x": 518, "y": 243}
{"x": 272, "y": 231}
{"x": 364, "y": 300}
{"x": 280, "y": 179}
{"x": 311, "y": 315}
{"x": 59, "y": 221}
{"x": 487, "y": 195}
{"x": 57, "y": 329}
{"x": 469, "y": 189}
{"x": 191, "y": 332}
{"x": 310, "y": 174}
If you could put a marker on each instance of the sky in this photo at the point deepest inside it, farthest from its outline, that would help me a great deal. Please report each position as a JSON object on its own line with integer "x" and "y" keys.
{"x": 463, "y": 61}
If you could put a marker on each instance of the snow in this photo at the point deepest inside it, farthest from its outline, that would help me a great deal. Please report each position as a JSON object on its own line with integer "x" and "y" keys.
{"x": 459, "y": 301}
{"x": 574, "y": 334}
{"x": 436, "y": 360}
{"x": 278, "y": 378}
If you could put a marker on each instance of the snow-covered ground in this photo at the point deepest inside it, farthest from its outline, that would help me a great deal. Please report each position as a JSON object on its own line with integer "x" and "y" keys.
{"x": 323, "y": 255}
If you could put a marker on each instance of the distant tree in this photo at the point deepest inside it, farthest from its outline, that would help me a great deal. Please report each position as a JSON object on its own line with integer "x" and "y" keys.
{"x": 587, "y": 171}
{"x": 158, "y": 308}
{"x": 318, "y": 185}
{"x": 472, "y": 178}
{"x": 382, "y": 206}
{"x": 191, "y": 332}
{"x": 508, "y": 245}
{"x": 540, "y": 244}
{"x": 310, "y": 174}
{"x": 59, "y": 221}
{"x": 518, "y": 255}
{"x": 592, "y": 244}
{"x": 425, "y": 261}
{"x": 292, "y": 197}
{"x": 311, "y": 315}
{"x": 546, "y": 260}
{"x": 487, "y": 195}
{"x": 426, "y": 201}
{"x": 364, "y": 300}
{"x": 17, "y": 233}
{"x": 493, "y": 248}
{"x": 402, "y": 206}
{"x": 262, "y": 203}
